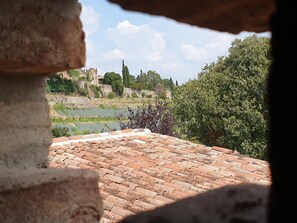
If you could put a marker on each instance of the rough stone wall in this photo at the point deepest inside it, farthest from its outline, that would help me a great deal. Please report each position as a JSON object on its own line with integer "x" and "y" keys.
{"x": 38, "y": 38}
{"x": 41, "y": 36}
{"x": 231, "y": 16}
{"x": 24, "y": 122}
{"x": 106, "y": 89}
{"x": 68, "y": 101}
{"x": 128, "y": 92}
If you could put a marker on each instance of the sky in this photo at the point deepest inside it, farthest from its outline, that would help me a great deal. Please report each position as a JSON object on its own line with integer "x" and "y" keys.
{"x": 146, "y": 42}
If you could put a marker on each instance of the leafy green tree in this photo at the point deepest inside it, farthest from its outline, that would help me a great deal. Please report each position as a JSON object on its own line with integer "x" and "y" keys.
{"x": 151, "y": 79}
{"x": 110, "y": 77}
{"x": 225, "y": 105}
{"x": 168, "y": 83}
{"x": 118, "y": 87}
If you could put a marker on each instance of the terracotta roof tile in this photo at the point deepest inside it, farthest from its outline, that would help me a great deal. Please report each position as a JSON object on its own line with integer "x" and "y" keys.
{"x": 140, "y": 170}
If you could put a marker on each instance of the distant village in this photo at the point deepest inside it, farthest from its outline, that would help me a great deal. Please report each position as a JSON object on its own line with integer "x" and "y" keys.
{"x": 95, "y": 78}
{"x": 91, "y": 77}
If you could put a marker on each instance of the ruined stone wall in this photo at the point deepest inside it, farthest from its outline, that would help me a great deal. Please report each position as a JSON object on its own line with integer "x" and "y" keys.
{"x": 106, "y": 89}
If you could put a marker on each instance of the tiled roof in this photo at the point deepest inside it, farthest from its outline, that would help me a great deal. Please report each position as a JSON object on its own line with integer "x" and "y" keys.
{"x": 140, "y": 170}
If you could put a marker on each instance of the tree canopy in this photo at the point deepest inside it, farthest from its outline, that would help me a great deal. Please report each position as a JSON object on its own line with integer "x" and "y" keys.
{"x": 226, "y": 104}
{"x": 110, "y": 77}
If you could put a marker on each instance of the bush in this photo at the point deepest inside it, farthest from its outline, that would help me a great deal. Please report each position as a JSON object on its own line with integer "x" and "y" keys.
{"x": 158, "y": 118}
{"x": 111, "y": 95}
{"x": 134, "y": 95}
{"x": 58, "y": 131}
{"x": 96, "y": 90}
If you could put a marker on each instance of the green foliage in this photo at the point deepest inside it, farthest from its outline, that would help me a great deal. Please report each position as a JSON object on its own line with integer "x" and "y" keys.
{"x": 60, "y": 131}
{"x": 84, "y": 119}
{"x": 96, "y": 90}
{"x": 88, "y": 76}
{"x": 158, "y": 118}
{"x": 151, "y": 79}
{"x": 56, "y": 84}
{"x": 168, "y": 83}
{"x": 225, "y": 105}
{"x": 134, "y": 95}
{"x": 60, "y": 107}
{"x": 118, "y": 87}
{"x": 126, "y": 75}
{"x": 111, "y": 95}
{"x": 74, "y": 74}
{"x": 110, "y": 77}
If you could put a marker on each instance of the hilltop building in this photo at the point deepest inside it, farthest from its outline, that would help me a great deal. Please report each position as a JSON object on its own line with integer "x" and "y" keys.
{"x": 90, "y": 74}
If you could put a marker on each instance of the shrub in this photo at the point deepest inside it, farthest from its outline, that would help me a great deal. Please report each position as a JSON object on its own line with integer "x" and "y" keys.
{"x": 111, "y": 95}
{"x": 158, "y": 118}
{"x": 134, "y": 95}
{"x": 59, "y": 131}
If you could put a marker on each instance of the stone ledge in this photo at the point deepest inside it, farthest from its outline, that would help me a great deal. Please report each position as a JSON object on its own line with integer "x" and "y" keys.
{"x": 50, "y": 195}
{"x": 49, "y": 34}
{"x": 236, "y": 203}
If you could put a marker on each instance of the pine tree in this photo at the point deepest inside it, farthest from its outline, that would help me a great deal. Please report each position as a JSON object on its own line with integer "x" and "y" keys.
{"x": 124, "y": 74}
{"x": 127, "y": 77}
{"x": 171, "y": 84}
{"x": 176, "y": 83}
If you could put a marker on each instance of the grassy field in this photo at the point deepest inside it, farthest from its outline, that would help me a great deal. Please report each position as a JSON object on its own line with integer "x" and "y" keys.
{"x": 99, "y": 118}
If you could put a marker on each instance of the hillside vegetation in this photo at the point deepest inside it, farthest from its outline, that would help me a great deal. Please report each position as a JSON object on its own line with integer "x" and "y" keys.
{"x": 224, "y": 106}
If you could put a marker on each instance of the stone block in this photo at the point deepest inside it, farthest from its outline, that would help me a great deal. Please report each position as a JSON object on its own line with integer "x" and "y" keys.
{"x": 50, "y": 195}
{"x": 233, "y": 203}
{"x": 40, "y": 36}
{"x": 24, "y": 122}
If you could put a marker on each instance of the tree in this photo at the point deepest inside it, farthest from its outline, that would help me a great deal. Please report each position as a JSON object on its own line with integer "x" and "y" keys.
{"x": 151, "y": 79}
{"x": 168, "y": 83}
{"x": 118, "y": 87}
{"x": 110, "y": 77}
{"x": 125, "y": 75}
{"x": 225, "y": 105}
{"x": 160, "y": 91}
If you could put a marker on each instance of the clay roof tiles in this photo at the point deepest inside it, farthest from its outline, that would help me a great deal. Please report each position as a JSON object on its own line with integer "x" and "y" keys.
{"x": 140, "y": 170}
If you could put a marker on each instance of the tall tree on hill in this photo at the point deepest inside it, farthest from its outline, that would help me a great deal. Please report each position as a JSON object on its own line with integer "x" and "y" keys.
{"x": 171, "y": 84}
{"x": 125, "y": 74}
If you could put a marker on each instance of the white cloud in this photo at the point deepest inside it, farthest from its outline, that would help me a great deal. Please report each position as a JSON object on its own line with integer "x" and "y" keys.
{"x": 139, "y": 42}
{"x": 208, "y": 52}
{"x": 115, "y": 54}
{"x": 192, "y": 53}
{"x": 90, "y": 19}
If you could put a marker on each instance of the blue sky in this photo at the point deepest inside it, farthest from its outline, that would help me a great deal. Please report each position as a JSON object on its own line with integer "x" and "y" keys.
{"x": 147, "y": 42}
